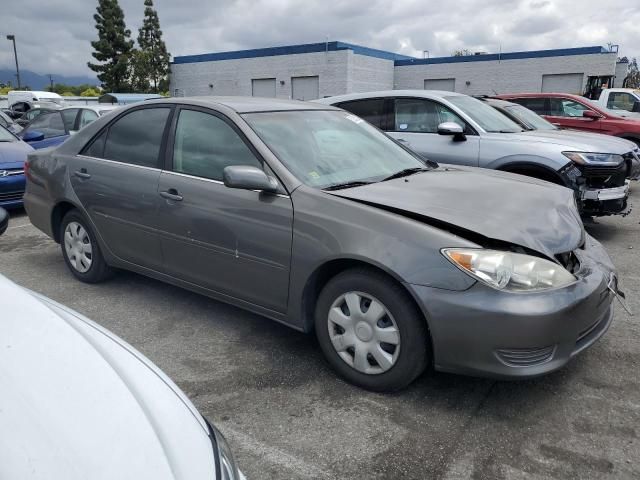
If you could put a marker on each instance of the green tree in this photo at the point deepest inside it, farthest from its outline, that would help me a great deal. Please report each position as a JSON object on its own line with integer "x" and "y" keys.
{"x": 113, "y": 47}
{"x": 151, "y": 61}
{"x": 90, "y": 92}
{"x": 632, "y": 79}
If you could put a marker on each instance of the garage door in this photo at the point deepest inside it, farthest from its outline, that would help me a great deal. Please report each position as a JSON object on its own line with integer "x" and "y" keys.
{"x": 563, "y": 83}
{"x": 263, "y": 87}
{"x": 446, "y": 84}
{"x": 305, "y": 88}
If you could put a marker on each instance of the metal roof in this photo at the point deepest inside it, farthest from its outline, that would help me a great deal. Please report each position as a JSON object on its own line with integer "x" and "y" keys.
{"x": 486, "y": 57}
{"x": 291, "y": 50}
{"x": 126, "y": 98}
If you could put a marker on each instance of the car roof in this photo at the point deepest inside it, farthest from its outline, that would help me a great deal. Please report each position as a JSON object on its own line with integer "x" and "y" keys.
{"x": 432, "y": 94}
{"x": 95, "y": 108}
{"x": 244, "y": 104}
{"x": 497, "y": 101}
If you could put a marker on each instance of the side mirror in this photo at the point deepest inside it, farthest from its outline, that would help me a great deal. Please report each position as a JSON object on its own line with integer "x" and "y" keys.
{"x": 453, "y": 129}
{"x": 248, "y": 178}
{"x": 4, "y": 220}
{"x": 591, "y": 115}
{"x": 33, "y": 136}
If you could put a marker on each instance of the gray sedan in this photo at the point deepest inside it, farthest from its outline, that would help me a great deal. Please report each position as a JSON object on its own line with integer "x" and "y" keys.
{"x": 310, "y": 216}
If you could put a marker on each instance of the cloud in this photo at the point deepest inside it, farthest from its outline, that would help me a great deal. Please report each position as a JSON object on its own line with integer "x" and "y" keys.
{"x": 54, "y": 36}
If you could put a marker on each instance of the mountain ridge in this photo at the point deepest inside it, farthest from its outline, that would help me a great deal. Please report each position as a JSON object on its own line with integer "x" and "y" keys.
{"x": 35, "y": 81}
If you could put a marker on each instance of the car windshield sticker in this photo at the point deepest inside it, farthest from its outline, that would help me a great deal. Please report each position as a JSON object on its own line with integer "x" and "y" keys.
{"x": 403, "y": 126}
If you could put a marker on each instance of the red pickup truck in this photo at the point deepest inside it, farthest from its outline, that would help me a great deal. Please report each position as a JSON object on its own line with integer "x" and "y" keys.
{"x": 573, "y": 111}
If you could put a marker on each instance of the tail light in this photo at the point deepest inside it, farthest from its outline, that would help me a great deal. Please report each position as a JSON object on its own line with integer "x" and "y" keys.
{"x": 26, "y": 170}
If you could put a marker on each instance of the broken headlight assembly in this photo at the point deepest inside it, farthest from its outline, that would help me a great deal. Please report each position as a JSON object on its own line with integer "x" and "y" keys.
{"x": 509, "y": 271}
{"x": 595, "y": 159}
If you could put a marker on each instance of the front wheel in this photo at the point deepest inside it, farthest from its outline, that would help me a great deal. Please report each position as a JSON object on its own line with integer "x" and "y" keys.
{"x": 370, "y": 331}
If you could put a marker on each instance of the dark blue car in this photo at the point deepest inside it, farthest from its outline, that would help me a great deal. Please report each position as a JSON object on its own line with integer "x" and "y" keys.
{"x": 13, "y": 154}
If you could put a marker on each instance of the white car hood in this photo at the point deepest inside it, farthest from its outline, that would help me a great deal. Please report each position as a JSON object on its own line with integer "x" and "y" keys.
{"x": 78, "y": 403}
{"x": 575, "y": 141}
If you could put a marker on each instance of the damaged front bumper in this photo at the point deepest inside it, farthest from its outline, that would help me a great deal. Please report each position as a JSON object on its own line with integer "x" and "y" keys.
{"x": 486, "y": 332}
{"x": 600, "y": 190}
{"x": 604, "y": 194}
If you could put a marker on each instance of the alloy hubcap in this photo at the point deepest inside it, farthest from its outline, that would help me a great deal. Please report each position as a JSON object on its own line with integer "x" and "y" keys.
{"x": 78, "y": 247}
{"x": 363, "y": 333}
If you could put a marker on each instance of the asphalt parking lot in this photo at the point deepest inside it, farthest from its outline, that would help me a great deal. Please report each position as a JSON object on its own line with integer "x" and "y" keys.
{"x": 287, "y": 416}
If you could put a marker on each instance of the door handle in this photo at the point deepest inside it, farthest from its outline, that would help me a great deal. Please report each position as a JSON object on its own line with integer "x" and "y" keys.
{"x": 82, "y": 173}
{"x": 172, "y": 194}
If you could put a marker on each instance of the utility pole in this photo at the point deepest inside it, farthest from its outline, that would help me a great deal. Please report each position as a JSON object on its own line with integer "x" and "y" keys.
{"x": 15, "y": 54}
{"x": 50, "y": 81}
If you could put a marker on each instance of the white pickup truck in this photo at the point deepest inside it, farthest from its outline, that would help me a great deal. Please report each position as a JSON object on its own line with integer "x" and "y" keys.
{"x": 621, "y": 101}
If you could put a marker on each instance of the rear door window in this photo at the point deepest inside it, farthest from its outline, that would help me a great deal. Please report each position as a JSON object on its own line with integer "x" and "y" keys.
{"x": 372, "y": 110}
{"x": 538, "y": 105}
{"x": 136, "y": 137}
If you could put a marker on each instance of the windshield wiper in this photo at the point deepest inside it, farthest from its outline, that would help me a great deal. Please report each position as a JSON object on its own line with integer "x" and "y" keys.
{"x": 339, "y": 186}
{"x": 406, "y": 172}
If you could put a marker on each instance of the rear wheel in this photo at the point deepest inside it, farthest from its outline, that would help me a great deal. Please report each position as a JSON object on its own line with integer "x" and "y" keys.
{"x": 81, "y": 251}
{"x": 370, "y": 331}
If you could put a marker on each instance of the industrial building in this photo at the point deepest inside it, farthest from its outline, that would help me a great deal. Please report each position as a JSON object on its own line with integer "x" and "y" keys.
{"x": 317, "y": 70}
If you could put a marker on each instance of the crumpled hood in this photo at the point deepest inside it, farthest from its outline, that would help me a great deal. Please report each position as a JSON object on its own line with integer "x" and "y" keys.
{"x": 567, "y": 139}
{"x": 13, "y": 154}
{"x": 497, "y": 205}
{"x": 79, "y": 403}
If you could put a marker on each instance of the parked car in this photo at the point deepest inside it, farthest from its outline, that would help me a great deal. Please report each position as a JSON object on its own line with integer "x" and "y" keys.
{"x": 55, "y": 127}
{"x": 78, "y": 402}
{"x": 530, "y": 120}
{"x": 32, "y": 111}
{"x": 9, "y": 123}
{"x": 310, "y": 216}
{"x": 13, "y": 155}
{"x": 574, "y": 111}
{"x": 621, "y": 100}
{"x": 457, "y": 129}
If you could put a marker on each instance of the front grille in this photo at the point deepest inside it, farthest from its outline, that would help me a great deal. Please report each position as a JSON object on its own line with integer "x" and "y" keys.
{"x": 605, "y": 177}
{"x": 525, "y": 357}
{"x": 9, "y": 172}
{"x": 8, "y": 196}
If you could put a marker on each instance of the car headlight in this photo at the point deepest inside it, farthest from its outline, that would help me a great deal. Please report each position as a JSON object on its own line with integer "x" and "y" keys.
{"x": 509, "y": 271}
{"x": 225, "y": 463}
{"x": 587, "y": 158}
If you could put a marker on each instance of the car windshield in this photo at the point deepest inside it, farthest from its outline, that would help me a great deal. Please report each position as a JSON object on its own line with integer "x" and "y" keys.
{"x": 331, "y": 148}
{"x": 530, "y": 118}
{"x": 6, "y": 136}
{"x": 489, "y": 119}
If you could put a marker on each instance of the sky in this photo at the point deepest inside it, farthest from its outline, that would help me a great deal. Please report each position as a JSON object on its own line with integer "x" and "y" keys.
{"x": 54, "y": 36}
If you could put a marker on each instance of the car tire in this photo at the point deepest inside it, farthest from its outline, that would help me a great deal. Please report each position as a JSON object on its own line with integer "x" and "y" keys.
{"x": 81, "y": 251}
{"x": 371, "y": 332}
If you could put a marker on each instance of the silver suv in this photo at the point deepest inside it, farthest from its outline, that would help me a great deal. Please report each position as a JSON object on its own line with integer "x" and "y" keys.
{"x": 458, "y": 129}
